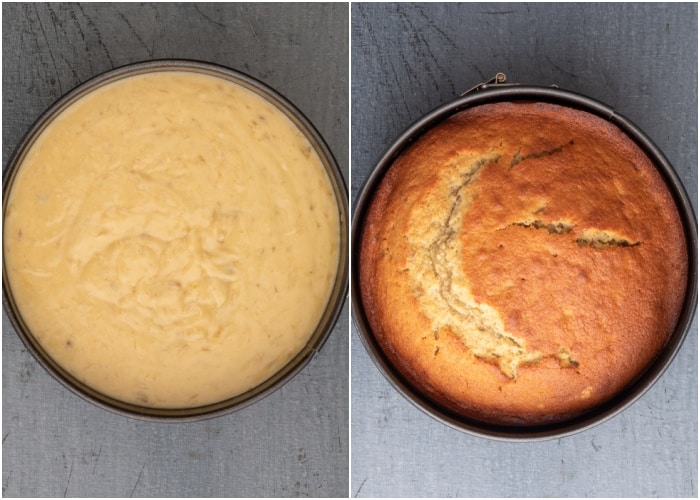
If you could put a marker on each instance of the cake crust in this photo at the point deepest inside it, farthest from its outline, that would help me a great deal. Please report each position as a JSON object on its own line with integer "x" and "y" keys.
{"x": 522, "y": 263}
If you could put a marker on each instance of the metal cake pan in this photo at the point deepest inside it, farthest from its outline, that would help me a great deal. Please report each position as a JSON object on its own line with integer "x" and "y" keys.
{"x": 497, "y": 91}
{"x": 340, "y": 286}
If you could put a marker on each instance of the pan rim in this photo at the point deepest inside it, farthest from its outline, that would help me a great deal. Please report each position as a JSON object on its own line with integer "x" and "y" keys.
{"x": 504, "y": 93}
{"x": 337, "y": 296}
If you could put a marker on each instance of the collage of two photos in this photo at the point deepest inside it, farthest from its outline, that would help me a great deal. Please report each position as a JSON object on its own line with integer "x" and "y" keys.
{"x": 334, "y": 250}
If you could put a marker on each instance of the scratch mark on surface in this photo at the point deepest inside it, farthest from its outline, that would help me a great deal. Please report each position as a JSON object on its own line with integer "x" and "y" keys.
{"x": 76, "y": 77}
{"x": 35, "y": 39}
{"x": 157, "y": 23}
{"x": 478, "y": 70}
{"x": 149, "y": 51}
{"x": 55, "y": 21}
{"x": 496, "y": 12}
{"x": 361, "y": 485}
{"x": 137, "y": 480}
{"x": 70, "y": 475}
{"x": 74, "y": 18}
{"x": 6, "y": 483}
{"x": 100, "y": 42}
{"x": 207, "y": 17}
{"x": 692, "y": 485}
{"x": 414, "y": 31}
{"x": 48, "y": 46}
{"x": 605, "y": 82}
{"x": 97, "y": 459}
{"x": 5, "y": 437}
{"x": 255, "y": 33}
{"x": 434, "y": 26}
{"x": 559, "y": 68}
{"x": 436, "y": 61}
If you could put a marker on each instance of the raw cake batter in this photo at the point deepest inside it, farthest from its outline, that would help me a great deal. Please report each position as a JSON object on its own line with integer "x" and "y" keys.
{"x": 171, "y": 239}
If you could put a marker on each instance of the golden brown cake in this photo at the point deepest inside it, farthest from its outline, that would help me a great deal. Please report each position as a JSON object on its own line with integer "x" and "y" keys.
{"x": 522, "y": 263}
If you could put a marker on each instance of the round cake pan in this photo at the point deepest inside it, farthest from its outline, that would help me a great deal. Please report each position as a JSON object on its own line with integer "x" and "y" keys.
{"x": 497, "y": 92}
{"x": 338, "y": 293}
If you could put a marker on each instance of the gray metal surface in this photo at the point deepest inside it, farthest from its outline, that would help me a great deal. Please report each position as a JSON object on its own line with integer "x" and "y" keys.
{"x": 639, "y": 58}
{"x": 295, "y": 441}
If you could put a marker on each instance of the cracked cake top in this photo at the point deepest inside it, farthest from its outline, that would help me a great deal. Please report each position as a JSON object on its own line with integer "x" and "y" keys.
{"x": 522, "y": 263}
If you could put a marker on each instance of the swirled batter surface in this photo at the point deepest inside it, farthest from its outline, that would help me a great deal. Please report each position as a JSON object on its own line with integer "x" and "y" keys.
{"x": 171, "y": 239}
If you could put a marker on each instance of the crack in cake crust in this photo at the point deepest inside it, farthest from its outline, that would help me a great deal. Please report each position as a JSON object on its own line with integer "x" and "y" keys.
{"x": 558, "y": 227}
{"x": 519, "y": 158}
{"x": 445, "y": 295}
{"x": 597, "y": 238}
{"x": 447, "y": 298}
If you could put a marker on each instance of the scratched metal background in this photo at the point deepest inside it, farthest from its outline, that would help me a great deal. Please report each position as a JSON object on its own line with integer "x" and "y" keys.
{"x": 642, "y": 59}
{"x": 294, "y": 442}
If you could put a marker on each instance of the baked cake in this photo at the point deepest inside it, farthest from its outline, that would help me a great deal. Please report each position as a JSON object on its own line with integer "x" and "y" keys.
{"x": 522, "y": 263}
{"x": 172, "y": 239}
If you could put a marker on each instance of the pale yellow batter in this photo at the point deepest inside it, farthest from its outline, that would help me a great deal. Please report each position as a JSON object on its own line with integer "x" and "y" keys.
{"x": 172, "y": 239}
